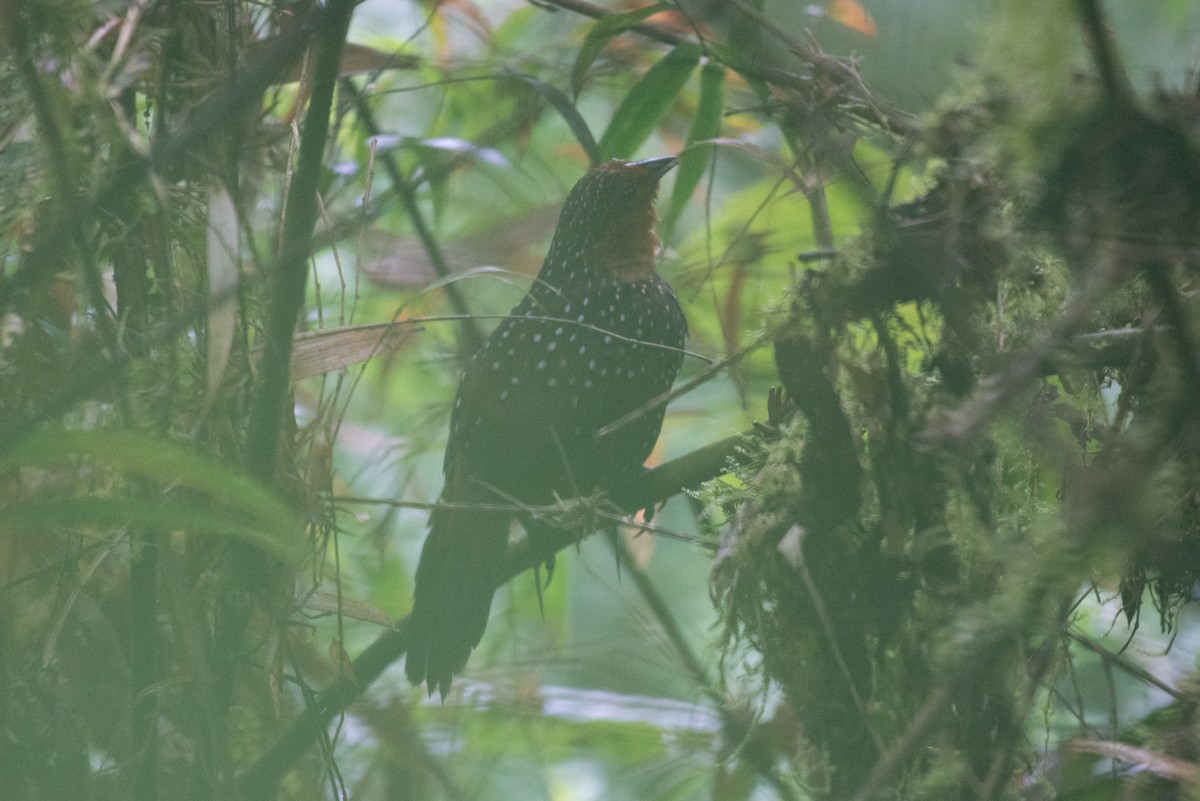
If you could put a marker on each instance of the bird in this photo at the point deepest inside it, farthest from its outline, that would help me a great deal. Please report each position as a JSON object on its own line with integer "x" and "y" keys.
{"x": 597, "y": 336}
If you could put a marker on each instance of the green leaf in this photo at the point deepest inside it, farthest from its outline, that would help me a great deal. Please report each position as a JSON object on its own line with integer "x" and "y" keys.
{"x": 245, "y": 509}
{"x": 164, "y": 513}
{"x": 733, "y": 59}
{"x": 696, "y": 156}
{"x": 600, "y": 35}
{"x": 563, "y": 105}
{"x": 647, "y": 102}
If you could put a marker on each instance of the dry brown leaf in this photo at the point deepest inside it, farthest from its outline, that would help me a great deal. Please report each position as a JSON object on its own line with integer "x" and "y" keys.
{"x": 318, "y": 352}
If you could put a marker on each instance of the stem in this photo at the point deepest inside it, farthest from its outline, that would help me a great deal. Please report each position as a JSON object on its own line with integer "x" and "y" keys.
{"x": 287, "y": 299}
{"x": 291, "y": 275}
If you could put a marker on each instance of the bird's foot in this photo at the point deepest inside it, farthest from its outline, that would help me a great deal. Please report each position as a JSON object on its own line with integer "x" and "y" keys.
{"x": 780, "y": 409}
{"x": 537, "y": 581}
{"x": 625, "y": 493}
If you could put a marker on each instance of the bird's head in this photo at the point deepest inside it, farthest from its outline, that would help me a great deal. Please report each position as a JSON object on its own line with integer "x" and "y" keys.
{"x": 607, "y": 222}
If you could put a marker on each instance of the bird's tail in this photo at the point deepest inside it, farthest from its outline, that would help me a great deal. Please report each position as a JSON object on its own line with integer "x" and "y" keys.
{"x": 456, "y": 578}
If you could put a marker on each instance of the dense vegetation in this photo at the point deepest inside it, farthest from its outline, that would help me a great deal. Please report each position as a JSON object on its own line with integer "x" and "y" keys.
{"x": 245, "y": 249}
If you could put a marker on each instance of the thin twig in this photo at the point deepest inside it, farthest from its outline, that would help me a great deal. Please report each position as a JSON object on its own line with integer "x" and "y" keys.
{"x": 832, "y": 70}
{"x": 472, "y": 336}
{"x": 762, "y": 762}
{"x": 931, "y": 710}
{"x": 831, "y": 636}
{"x": 1125, "y": 665}
{"x": 687, "y": 386}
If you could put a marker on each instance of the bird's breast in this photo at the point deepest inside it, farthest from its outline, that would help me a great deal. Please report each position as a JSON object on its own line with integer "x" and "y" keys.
{"x": 563, "y": 365}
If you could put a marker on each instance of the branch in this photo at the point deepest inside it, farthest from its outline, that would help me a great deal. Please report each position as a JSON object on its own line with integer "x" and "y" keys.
{"x": 1104, "y": 50}
{"x": 934, "y": 706}
{"x": 656, "y": 486}
{"x": 584, "y": 8}
{"x": 1157, "y": 274}
{"x": 291, "y": 271}
{"x": 963, "y": 423}
{"x": 833, "y": 71}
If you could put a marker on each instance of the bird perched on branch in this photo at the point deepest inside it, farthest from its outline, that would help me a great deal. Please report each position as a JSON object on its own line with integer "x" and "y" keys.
{"x": 598, "y": 335}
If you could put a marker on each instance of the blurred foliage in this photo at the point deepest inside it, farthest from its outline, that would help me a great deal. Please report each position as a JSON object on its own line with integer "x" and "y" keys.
{"x": 956, "y": 561}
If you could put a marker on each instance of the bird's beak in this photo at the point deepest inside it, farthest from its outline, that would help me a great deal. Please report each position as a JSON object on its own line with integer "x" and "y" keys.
{"x": 657, "y": 167}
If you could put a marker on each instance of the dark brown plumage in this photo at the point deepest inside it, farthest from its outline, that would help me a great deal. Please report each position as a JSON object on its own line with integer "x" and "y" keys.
{"x": 598, "y": 335}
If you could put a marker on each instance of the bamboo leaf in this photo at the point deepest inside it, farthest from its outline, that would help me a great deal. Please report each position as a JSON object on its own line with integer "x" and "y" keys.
{"x": 601, "y": 34}
{"x": 244, "y": 509}
{"x": 647, "y": 102}
{"x": 696, "y": 156}
{"x": 165, "y": 513}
